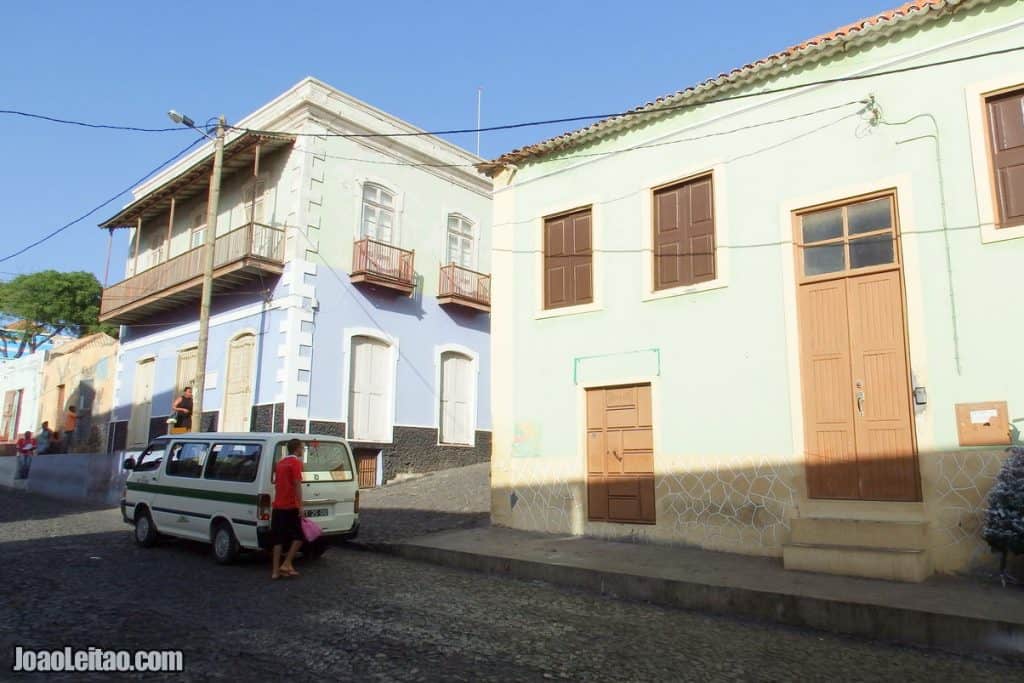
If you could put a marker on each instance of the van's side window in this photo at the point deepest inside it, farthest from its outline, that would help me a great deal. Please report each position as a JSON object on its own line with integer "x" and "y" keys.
{"x": 186, "y": 459}
{"x": 151, "y": 458}
{"x": 233, "y": 462}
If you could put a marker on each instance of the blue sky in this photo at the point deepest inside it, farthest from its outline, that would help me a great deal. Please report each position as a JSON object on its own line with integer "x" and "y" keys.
{"x": 128, "y": 63}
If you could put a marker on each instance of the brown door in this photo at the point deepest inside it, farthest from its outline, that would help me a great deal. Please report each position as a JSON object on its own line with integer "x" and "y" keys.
{"x": 58, "y": 424}
{"x": 858, "y": 421}
{"x": 366, "y": 464}
{"x": 620, "y": 455}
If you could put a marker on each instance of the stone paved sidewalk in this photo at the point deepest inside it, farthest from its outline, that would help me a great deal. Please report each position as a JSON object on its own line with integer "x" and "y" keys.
{"x": 458, "y": 498}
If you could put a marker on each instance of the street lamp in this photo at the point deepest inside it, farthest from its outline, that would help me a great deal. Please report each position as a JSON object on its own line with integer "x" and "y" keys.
{"x": 209, "y": 240}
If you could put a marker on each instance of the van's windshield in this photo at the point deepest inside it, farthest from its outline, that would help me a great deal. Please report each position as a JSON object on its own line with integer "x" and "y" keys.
{"x": 321, "y": 460}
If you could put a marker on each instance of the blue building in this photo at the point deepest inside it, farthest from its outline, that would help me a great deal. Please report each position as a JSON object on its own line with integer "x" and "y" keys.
{"x": 351, "y": 288}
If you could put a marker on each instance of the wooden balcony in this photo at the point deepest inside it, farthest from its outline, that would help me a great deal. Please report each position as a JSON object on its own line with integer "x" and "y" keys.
{"x": 246, "y": 254}
{"x": 464, "y": 287}
{"x": 378, "y": 263}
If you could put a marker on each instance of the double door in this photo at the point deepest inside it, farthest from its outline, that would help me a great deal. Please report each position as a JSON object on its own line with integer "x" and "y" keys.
{"x": 858, "y": 419}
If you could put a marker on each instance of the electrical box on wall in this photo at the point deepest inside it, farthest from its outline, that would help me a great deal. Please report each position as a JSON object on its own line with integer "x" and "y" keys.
{"x": 983, "y": 424}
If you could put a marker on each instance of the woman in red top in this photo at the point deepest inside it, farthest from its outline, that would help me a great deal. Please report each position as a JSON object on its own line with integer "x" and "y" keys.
{"x": 286, "y": 515}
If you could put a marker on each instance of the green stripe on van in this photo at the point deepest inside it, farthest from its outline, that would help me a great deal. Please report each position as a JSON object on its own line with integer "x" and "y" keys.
{"x": 243, "y": 498}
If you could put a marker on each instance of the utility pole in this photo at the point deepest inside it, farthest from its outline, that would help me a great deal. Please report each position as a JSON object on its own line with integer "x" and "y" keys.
{"x": 209, "y": 242}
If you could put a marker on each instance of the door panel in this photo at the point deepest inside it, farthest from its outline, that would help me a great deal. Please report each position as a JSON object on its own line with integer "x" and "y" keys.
{"x": 142, "y": 400}
{"x": 238, "y": 392}
{"x": 620, "y": 455}
{"x": 370, "y": 389}
{"x": 885, "y": 442}
{"x": 456, "y": 399}
{"x": 828, "y": 405}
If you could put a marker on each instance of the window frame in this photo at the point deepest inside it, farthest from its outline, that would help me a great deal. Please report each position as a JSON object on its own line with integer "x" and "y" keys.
{"x": 1000, "y": 222}
{"x": 147, "y": 450}
{"x": 575, "y": 303}
{"x": 186, "y": 442}
{"x": 709, "y": 175}
{"x": 471, "y": 234}
{"x": 976, "y": 95}
{"x": 393, "y": 209}
{"x": 211, "y": 458}
{"x": 799, "y": 244}
{"x": 197, "y": 228}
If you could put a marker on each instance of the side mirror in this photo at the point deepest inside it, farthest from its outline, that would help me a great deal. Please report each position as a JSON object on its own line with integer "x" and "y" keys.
{"x": 129, "y": 464}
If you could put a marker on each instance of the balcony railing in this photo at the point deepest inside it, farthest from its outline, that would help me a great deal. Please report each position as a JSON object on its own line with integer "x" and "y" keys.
{"x": 464, "y": 287}
{"x": 246, "y": 252}
{"x": 383, "y": 264}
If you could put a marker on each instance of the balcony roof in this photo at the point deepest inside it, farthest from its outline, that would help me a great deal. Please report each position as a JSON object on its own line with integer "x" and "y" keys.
{"x": 238, "y": 153}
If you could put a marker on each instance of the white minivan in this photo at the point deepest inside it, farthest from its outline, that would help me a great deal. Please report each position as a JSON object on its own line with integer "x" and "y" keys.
{"x": 218, "y": 488}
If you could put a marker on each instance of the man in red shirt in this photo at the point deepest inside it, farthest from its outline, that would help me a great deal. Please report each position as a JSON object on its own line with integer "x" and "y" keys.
{"x": 26, "y": 447}
{"x": 286, "y": 515}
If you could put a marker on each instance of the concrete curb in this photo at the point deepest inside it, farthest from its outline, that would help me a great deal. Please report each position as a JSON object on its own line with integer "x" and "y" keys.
{"x": 959, "y": 634}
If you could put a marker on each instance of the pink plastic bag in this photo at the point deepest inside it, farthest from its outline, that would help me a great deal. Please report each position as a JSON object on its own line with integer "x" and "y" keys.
{"x": 311, "y": 530}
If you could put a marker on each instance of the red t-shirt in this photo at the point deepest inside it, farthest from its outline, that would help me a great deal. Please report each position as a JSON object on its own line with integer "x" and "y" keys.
{"x": 287, "y": 471}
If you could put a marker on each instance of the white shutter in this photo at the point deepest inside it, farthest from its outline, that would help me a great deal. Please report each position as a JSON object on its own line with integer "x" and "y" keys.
{"x": 369, "y": 389}
{"x": 238, "y": 399}
{"x": 142, "y": 400}
{"x": 456, "y": 399}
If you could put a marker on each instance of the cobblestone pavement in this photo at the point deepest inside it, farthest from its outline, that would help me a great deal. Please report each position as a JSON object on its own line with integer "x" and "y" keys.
{"x": 72, "y": 576}
{"x": 458, "y": 498}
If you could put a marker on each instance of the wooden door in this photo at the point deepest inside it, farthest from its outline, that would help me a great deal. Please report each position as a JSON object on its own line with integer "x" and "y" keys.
{"x": 886, "y": 464}
{"x": 142, "y": 403}
{"x": 620, "y": 455}
{"x": 456, "y": 399}
{"x": 366, "y": 464}
{"x": 858, "y": 421}
{"x": 10, "y": 416}
{"x": 369, "y": 390}
{"x": 238, "y": 388}
{"x": 58, "y": 423}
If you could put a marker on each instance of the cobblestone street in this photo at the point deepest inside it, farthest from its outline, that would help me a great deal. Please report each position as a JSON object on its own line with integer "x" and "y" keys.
{"x": 72, "y": 576}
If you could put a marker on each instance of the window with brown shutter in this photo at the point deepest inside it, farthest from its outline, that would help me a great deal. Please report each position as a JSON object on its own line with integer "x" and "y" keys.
{"x": 1006, "y": 135}
{"x": 568, "y": 260}
{"x": 684, "y": 234}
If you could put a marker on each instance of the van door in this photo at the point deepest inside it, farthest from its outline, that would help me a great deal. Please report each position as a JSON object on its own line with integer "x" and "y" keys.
{"x": 329, "y": 483}
{"x": 183, "y": 509}
{"x": 145, "y": 480}
{"x": 230, "y": 482}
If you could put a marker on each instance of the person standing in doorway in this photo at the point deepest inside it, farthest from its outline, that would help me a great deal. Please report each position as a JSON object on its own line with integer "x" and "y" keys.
{"x": 70, "y": 424}
{"x": 286, "y": 512}
{"x": 43, "y": 440}
{"x": 26, "y": 447}
{"x": 182, "y": 409}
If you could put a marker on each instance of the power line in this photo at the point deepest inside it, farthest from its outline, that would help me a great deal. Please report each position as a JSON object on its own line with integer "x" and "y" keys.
{"x": 631, "y": 148}
{"x": 648, "y": 111}
{"x": 93, "y": 210}
{"x": 85, "y": 124}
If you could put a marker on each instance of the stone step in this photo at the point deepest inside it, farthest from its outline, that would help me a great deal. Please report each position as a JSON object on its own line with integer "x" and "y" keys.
{"x": 873, "y": 563}
{"x": 860, "y": 533}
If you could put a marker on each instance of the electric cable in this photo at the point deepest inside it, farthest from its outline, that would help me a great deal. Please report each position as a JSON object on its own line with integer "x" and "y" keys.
{"x": 93, "y": 210}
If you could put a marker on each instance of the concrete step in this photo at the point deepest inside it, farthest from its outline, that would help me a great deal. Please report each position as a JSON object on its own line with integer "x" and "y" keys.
{"x": 909, "y": 565}
{"x": 860, "y": 533}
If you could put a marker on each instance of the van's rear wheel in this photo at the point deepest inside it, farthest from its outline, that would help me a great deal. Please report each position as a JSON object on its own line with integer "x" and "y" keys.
{"x": 225, "y": 545}
{"x": 145, "y": 532}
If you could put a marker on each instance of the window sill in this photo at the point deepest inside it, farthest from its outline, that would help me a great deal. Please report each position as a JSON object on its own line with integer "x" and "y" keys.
{"x": 568, "y": 310}
{"x": 683, "y": 291}
{"x": 455, "y": 445}
{"x": 994, "y": 233}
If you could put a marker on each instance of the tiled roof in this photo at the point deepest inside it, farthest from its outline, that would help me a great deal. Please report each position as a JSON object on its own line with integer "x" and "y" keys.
{"x": 83, "y": 342}
{"x": 858, "y": 30}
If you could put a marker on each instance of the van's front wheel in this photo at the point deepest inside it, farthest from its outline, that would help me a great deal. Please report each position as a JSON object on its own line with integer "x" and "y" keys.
{"x": 145, "y": 532}
{"x": 225, "y": 545}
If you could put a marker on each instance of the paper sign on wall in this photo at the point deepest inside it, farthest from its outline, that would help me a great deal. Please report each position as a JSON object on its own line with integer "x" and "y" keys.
{"x": 211, "y": 381}
{"x": 980, "y": 417}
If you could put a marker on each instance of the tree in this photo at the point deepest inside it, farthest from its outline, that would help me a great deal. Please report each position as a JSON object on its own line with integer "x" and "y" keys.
{"x": 49, "y": 303}
{"x": 1004, "y": 524}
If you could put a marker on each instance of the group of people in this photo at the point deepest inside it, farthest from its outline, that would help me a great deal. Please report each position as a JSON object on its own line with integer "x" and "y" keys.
{"x": 48, "y": 441}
